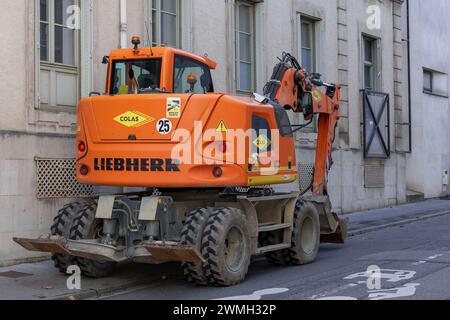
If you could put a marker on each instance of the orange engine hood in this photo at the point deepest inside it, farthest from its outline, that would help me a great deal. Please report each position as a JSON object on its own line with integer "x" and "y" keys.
{"x": 137, "y": 117}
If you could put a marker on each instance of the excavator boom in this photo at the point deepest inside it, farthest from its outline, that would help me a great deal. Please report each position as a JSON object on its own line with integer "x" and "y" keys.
{"x": 293, "y": 88}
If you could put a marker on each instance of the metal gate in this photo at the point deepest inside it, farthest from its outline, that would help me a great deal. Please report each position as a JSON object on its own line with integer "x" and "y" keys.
{"x": 376, "y": 124}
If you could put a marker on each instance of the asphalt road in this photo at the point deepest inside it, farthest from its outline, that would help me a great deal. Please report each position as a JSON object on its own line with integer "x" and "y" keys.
{"x": 411, "y": 261}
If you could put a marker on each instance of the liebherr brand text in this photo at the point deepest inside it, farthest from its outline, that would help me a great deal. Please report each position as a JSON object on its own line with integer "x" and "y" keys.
{"x": 136, "y": 165}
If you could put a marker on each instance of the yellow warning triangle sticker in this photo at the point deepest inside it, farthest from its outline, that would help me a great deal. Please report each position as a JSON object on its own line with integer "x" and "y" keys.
{"x": 222, "y": 127}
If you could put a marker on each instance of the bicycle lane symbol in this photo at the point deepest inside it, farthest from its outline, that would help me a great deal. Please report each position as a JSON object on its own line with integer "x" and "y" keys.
{"x": 373, "y": 276}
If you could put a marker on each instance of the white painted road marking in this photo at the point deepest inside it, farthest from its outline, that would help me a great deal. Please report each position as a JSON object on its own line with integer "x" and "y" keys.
{"x": 435, "y": 257}
{"x": 427, "y": 259}
{"x": 337, "y": 298}
{"x": 407, "y": 290}
{"x": 258, "y": 295}
{"x": 389, "y": 274}
{"x": 334, "y": 291}
{"x": 379, "y": 294}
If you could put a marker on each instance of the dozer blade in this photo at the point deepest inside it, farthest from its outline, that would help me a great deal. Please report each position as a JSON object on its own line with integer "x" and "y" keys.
{"x": 93, "y": 250}
{"x": 51, "y": 245}
{"x": 340, "y": 236}
{"x": 173, "y": 252}
{"x": 83, "y": 249}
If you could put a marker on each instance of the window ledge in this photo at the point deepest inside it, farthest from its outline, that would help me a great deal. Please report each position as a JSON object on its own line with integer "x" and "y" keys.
{"x": 436, "y": 94}
{"x": 65, "y": 109}
{"x": 48, "y": 65}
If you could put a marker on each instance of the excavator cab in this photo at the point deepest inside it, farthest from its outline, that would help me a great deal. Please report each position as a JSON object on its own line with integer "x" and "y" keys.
{"x": 158, "y": 70}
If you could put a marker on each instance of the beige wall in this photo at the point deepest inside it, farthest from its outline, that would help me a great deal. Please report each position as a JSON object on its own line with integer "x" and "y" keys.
{"x": 13, "y": 38}
{"x": 431, "y": 112}
{"x": 21, "y": 214}
{"x": 212, "y": 37}
{"x": 105, "y": 37}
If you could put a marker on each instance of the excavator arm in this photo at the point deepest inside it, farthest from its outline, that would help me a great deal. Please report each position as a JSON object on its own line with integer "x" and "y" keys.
{"x": 294, "y": 89}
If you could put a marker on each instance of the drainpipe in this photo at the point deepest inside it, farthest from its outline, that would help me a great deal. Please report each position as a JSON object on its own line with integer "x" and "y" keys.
{"x": 408, "y": 43}
{"x": 123, "y": 24}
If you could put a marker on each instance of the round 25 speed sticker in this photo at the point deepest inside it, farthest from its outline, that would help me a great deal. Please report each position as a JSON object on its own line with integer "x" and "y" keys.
{"x": 164, "y": 126}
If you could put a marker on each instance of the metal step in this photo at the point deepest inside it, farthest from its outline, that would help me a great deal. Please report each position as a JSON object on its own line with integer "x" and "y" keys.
{"x": 273, "y": 227}
{"x": 275, "y": 247}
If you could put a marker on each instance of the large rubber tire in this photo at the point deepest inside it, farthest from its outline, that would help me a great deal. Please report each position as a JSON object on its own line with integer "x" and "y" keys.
{"x": 192, "y": 235}
{"x": 226, "y": 247}
{"x": 306, "y": 235}
{"x": 86, "y": 226}
{"x": 61, "y": 227}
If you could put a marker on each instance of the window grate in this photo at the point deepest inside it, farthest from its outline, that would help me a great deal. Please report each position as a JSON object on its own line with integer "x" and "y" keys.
{"x": 376, "y": 125}
{"x": 56, "y": 178}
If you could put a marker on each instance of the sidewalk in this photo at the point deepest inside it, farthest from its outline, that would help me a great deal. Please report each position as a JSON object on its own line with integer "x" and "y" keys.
{"x": 367, "y": 220}
{"x": 41, "y": 281}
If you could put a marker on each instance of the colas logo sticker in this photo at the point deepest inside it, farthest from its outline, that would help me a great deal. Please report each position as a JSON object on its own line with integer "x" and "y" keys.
{"x": 173, "y": 108}
{"x": 133, "y": 119}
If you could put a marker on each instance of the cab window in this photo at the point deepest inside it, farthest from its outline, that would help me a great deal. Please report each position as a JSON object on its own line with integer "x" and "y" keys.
{"x": 135, "y": 76}
{"x": 191, "y": 76}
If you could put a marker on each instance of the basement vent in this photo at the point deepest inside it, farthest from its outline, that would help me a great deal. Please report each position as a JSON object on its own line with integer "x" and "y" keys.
{"x": 374, "y": 176}
{"x": 56, "y": 178}
{"x": 305, "y": 177}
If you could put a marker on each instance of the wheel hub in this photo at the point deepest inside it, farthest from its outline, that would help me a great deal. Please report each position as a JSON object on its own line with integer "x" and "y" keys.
{"x": 307, "y": 236}
{"x": 234, "y": 249}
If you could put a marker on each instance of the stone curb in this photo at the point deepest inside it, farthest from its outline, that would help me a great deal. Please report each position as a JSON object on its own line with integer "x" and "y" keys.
{"x": 353, "y": 233}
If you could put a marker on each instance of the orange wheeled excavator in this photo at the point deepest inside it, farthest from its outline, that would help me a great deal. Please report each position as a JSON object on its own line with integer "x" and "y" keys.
{"x": 207, "y": 163}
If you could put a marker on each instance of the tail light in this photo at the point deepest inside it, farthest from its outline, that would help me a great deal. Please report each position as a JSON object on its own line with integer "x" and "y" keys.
{"x": 82, "y": 146}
